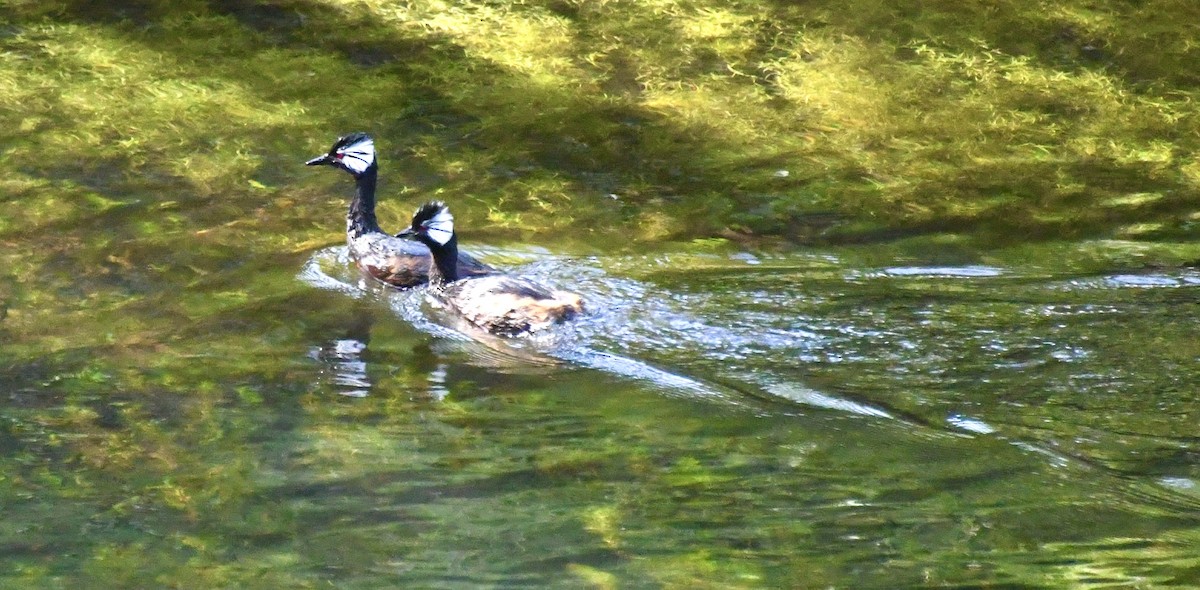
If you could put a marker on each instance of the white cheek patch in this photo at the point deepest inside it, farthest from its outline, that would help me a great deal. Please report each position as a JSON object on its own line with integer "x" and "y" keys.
{"x": 440, "y": 228}
{"x": 358, "y": 157}
{"x": 439, "y": 235}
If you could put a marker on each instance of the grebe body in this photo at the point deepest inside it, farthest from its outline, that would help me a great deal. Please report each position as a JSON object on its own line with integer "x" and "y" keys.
{"x": 502, "y": 304}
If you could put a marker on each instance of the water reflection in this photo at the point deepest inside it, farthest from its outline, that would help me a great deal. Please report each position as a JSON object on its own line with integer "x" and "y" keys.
{"x": 344, "y": 362}
{"x": 344, "y": 369}
{"x": 612, "y": 304}
{"x": 437, "y": 382}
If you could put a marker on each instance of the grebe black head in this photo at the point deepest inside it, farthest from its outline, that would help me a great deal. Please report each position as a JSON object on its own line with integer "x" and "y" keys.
{"x": 500, "y": 304}
{"x": 433, "y": 225}
{"x": 433, "y": 222}
{"x": 354, "y": 153}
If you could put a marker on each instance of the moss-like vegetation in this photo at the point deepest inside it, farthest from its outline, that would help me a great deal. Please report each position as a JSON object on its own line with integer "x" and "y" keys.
{"x": 675, "y": 119}
{"x": 165, "y": 423}
{"x": 138, "y": 129}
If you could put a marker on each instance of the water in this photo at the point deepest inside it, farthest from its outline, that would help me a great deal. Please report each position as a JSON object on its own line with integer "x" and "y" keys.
{"x": 994, "y": 388}
{"x": 904, "y": 425}
{"x": 716, "y": 420}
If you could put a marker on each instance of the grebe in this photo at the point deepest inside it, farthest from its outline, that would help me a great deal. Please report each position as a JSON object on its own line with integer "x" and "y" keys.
{"x": 501, "y": 304}
{"x": 402, "y": 263}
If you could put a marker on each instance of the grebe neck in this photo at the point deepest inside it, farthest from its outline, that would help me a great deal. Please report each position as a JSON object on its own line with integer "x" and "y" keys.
{"x": 361, "y": 217}
{"x": 445, "y": 262}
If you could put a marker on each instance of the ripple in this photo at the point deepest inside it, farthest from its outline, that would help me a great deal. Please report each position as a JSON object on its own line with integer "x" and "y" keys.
{"x": 326, "y": 269}
{"x": 812, "y": 397}
{"x": 1180, "y": 483}
{"x": 1151, "y": 281}
{"x": 1182, "y": 279}
{"x": 1076, "y": 310}
{"x": 962, "y": 272}
{"x": 970, "y": 424}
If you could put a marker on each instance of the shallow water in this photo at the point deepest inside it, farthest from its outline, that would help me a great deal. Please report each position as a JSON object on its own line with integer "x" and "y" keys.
{"x": 899, "y": 425}
{"x": 201, "y": 392}
{"x": 716, "y": 420}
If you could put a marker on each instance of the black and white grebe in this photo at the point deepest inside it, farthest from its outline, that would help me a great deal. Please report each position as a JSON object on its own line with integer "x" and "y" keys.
{"x": 501, "y": 304}
{"x": 398, "y": 262}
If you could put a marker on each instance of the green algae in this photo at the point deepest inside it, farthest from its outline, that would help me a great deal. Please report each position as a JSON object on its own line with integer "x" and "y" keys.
{"x": 166, "y": 425}
{"x": 679, "y": 119}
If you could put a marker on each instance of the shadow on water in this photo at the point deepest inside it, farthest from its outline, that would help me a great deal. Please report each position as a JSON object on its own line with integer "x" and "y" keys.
{"x": 604, "y": 144}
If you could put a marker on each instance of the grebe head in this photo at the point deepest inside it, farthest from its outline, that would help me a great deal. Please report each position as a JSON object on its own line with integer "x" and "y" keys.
{"x": 432, "y": 224}
{"x": 354, "y": 153}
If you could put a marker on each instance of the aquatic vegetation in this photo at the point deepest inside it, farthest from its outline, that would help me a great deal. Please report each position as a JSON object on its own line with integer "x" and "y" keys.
{"x": 168, "y": 422}
{"x": 691, "y": 117}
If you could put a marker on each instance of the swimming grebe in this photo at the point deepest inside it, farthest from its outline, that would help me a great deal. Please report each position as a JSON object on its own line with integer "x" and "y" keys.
{"x": 402, "y": 263}
{"x": 501, "y": 304}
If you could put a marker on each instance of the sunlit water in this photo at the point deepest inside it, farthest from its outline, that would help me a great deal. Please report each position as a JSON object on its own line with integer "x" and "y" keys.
{"x": 976, "y": 398}
{"x": 715, "y": 420}
{"x": 989, "y": 390}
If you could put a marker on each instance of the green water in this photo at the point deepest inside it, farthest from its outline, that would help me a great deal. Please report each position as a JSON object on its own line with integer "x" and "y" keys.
{"x": 825, "y": 425}
{"x": 880, "y": 296}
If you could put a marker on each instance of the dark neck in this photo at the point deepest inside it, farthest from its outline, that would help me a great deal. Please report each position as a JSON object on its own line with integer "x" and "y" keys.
{"x": 445, "y": 261}
{"x": 361, "y": 218}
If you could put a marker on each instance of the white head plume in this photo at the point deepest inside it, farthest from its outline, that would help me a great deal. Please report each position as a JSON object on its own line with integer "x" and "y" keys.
{"x": 440, "y": 227}
{"x": 357, "y": 156}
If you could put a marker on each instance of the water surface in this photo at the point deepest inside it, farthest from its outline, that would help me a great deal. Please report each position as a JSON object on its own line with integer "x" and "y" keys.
{"x": 995, "y": 386}
{"x": 718, "y": 420}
